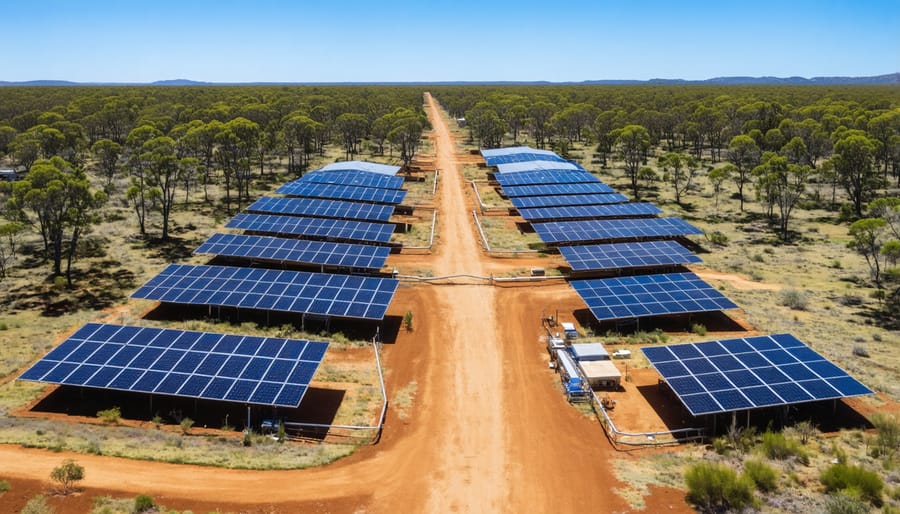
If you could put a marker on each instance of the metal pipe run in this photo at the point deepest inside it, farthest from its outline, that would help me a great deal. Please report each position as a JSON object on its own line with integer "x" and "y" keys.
{"x": 484, "y": 240}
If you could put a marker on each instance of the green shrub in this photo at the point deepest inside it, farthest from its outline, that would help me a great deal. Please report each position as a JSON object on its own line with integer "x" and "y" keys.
{"x": 698, "y": 329}
{"x": 67, "y": 474}
{"x": 843, "y": 504}
{"x": 777, "y": 446}
{"x": 4, "y": 486}
{"x": 37, "y": 505}
{"x": 110, "y": 416}
{"x": 888, "y": 434}
{"x": 854, "y": 481}
{"x": 720, "y": 445}
{"x": 143, "y": 503}
{"x": 764, "y": 476}
{"x": 717, "y": 238}
{"x": 186, "y": 425}
{"x": 714, "y": 487}
{"x": 795, "y": 299}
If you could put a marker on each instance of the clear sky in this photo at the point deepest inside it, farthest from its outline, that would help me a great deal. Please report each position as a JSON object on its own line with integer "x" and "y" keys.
{"x": 443, "y": 40}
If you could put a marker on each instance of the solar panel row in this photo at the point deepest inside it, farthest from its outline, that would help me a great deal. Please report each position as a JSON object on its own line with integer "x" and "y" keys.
{"x": 353, "y": 178}
{"x": 600, "y": 230}
{"x": 736, "y": 374}
{"x": 342, "y": 192}
{"x": 495, "y": 156}
{"x": 527, "y": 202}
{"x": 371, "y": 167}
{"x": 650, "y": 295}
{"x": 522, "y": 166}
{"x": 530, "y": 178}
{"x": 558, "y": 189}
{"x": 272, "y": 290}
{"x": 319, "y": 208}
{"x": 619, "y": 210}
{"x": 627, "y": 255}
{"x": 314, "y": 227}
{"x": 295, "y": 250}
{"x": 235, "y": 368}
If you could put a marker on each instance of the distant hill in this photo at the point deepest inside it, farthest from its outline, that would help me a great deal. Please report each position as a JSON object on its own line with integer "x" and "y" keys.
{"x": 889, "y": 79}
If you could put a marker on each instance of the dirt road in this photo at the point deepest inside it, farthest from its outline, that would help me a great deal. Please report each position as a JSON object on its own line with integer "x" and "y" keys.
{"x": 489, "y": 430}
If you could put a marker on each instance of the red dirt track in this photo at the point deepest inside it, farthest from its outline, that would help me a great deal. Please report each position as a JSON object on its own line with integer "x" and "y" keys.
{"x": 489, "y": 429}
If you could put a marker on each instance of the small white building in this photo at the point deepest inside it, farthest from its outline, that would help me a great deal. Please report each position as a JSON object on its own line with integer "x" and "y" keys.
{"x": 596, "y": 366}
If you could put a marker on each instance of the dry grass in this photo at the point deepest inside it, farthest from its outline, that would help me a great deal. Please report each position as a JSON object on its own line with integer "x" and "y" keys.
{"x": 403, "y": 399}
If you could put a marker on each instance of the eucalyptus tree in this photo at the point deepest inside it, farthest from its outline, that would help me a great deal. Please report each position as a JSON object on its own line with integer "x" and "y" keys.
{"x": 853, "y": 161}
{"x": 744, "y": 154}
{"x": 138, "y": 192}
{"x": 633, "y": 142}
{"x": 681, "y": 171}
{"x": 107, "y": 152}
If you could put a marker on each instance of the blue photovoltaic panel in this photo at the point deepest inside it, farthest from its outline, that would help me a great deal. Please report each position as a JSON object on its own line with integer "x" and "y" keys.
{"x": 287, "y": 291}
{"x": 341, "y": 192}
{"x": 618, "y": 210}
{"x": 650, "y": 295}
{"x": 147, "y": 375}
{"x": 510, "y": 168}
{"x": 315, "y": 208}
{"x": 371, "y": 167}
{"x": 558, "y": 189}
{"x": 529, "y": 202}
{"x": 295, "y": 250}
{"x": 352, "y": 178}
{"x": 745, "y": 377}
{"x": 644, "y": 254}
{"x": 495, "y": 156}
{"x": 314, "y": 227}
{"x": 531, "y": 178}
{"x": 610, "y": 230}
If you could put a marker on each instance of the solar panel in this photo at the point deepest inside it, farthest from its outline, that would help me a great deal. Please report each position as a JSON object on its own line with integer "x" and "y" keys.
{"x": 322, "y": 208}
{"x": 295, "y": 250}
{"x": 494, "y": 156}
{"x": 650, "y": 295}
{"x": 611, "y": 230}
{"x": 531, "y": 162}
{"x": 273, "y": 290}
{"x": 643, "y": 254}
{"x": 341, "y": 230}
{"x": 165, "y": 371}
{"x": 342, "y": 192}
{"x": 554, "y": 176}
{"x": 558, "y": 189}
{"x": 616, "y": 210}
{"x": 525, "y": 202}
{"x": 749, "y": 374}
{"x": 371, "y": 167}
{"x": 352, "y": 178}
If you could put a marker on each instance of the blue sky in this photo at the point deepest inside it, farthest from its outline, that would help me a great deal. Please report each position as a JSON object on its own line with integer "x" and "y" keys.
{"x": 441, "y": 40}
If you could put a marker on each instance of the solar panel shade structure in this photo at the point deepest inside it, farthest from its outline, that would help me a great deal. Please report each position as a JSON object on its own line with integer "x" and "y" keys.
{"x": 314, "y": 227}
{"x": 528, "y": 164}
{"x": 558, "y": 189}
{"x": 494, "y": 156}
{"x": 555, "y": 176}
{"x": 371, "y": 167}
{"x": 234, "y": 368}
{"x": 322, "y": 208}
{"x": 341, "y": 192}
{"x": 618, "y": 210}
{"x": 650, "y": 295}
{"x": 753, "y": 372}
{"x": 610, "y": 230}
{"x": 295, "y": 250}
{"x": 322, "y": 294}
{"x": 643, "y": 254}
{"x": 527, "y": 202}
{"x": 353, "y": 178}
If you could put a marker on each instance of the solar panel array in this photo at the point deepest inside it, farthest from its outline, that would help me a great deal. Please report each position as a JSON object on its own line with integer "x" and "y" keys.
{"x": 352, "y": 178}
{"x": 558, "y": 189}
{"x": 615, "y": 229}
{"x": 753, "y": 372}
{"x": 314, "y": 227}
{"x": 371, "y": 167}
{"x": 650, "y": 295}
{"x": 526, "y": 164}
{"x": 322, "y": 208}
{"x": 341, "y": 192}
{"x": 529, "y": 178}
{"x": 272, "y": 290}
{"x": 497, "y": 156}
{"x": 525, "y": 202}
{"x": 627, "y": 255}
{"x": 618, "y": 210}
{"x": 296, "y": 250}
{"x": 234, "y": 368}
